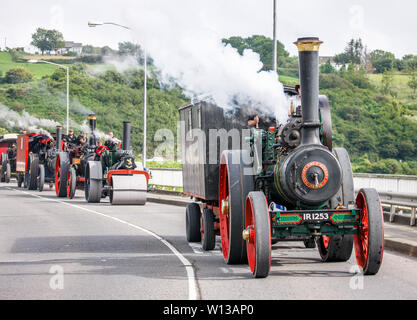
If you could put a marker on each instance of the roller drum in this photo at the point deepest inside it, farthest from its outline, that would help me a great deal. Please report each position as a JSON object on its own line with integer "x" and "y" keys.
{"x": 128, "y": 189}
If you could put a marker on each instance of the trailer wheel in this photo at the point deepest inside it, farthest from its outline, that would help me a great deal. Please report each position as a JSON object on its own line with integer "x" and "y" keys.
{"x": 208, "y": 236}
{"x": 369, "y": 242}
{"x": 73, "y": 182}
{"x": 8, "y": 173}
{"x": 61, "y": 177}
{"x": 235, "y": 183}
{"x": 92, "y": 187}
{"x": 192, "y": 222}
{"x": 258, "y": 234}
{"x": 41, "y": 177}
{"x": 33, "y": 173}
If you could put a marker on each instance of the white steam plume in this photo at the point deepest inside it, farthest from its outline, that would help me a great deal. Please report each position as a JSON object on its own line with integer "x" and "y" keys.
{"x": 189, "y": 52}
{"x": 11, "y": 119}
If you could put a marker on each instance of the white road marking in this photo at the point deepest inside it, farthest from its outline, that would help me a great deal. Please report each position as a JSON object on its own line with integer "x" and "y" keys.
{"x": 192, "y": 287}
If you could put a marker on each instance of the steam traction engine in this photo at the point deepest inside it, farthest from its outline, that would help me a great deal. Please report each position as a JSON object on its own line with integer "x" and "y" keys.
{"x": 71, "y": 171}
{"x": 296, "y": 187}
{"x": 115, "y": 175}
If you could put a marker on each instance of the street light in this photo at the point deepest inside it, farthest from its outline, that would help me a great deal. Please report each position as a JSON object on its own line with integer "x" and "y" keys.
{"x": 275, "y": 54}
{"x": 93, "y": 24}
{"x": 67, "y": 69}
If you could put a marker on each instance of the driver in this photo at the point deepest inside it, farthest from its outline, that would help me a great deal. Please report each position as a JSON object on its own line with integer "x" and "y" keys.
{"x": 111, "y": 142}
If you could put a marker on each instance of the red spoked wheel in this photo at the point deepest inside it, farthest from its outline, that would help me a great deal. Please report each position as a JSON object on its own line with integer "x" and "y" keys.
{"x": 100, "y": 150}
{"x": 62, "y": 179}
{"x": 369, "y": 241}
{"x": 234, "y": 185}
{"x": 257, "y": 234}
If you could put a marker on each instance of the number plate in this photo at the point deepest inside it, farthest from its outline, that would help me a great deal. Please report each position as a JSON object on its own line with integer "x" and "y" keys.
{"x": 316, "y": 216}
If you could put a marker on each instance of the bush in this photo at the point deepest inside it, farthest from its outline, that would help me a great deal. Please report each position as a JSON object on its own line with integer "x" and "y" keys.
{"x": 70, "y": 54}
{"x": 18, "y": 75}
{"x": 331, "y": 81}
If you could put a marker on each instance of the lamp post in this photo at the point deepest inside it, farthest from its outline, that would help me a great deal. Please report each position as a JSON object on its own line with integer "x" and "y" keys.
{"x": 67, "y": 69}
{"x": 275, "y": 54}
{"x": 95, "y": 24}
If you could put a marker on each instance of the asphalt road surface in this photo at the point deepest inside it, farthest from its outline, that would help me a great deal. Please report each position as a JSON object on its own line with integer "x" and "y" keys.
{"x": 54, "y": 248}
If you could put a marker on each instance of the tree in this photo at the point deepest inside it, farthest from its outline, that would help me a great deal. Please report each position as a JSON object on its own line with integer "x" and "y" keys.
{"x": 382, "y": 60}
{"x": 412, "y": 83}
{"x": 47, "y": 40}
{"x": 263, "y": 46}
{"x": 18, "y": 75}
{"x": 89, "y": 49}
{"x": 353, "y": 53}
{"x": 327, "y": 68}
{"x": 131, "y": 49}
{"x": 386, "y": 83}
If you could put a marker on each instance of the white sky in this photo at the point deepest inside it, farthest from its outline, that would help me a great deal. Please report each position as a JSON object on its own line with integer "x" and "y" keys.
{"x": 383, "y": 24}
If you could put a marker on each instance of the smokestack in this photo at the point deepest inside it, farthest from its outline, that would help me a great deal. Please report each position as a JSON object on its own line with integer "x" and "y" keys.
{"x": 58, "y": 138}
{"x": 308, "y": 50}
{"x": 126, "y": 135}
{"x": 92, "y": 120}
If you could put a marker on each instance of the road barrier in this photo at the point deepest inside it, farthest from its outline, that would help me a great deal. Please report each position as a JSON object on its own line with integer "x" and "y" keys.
{"x": 398, "y": 193}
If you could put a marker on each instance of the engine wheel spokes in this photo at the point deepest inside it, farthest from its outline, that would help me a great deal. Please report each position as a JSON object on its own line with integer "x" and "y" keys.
{"x": 257, "y": 234}
{"x": 235, "y": 182}
{"x": 369, "y": 241}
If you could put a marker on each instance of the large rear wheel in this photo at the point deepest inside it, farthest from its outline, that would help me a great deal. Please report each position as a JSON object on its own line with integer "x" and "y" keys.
{"x": 369, "y": 242}
{"x": 61, "y": 177}
{"x": 41, "y": 177}
{"x": 235, "y": 183}
{"x": 33, "y": 173}
{"x": 257, "y": 234}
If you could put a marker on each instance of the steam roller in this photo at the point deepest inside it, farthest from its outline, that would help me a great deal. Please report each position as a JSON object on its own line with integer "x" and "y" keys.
{"x": 116, "y": 175}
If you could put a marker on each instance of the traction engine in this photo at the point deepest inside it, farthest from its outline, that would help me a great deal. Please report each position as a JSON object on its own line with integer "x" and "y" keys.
{"x": 292, "y": 185}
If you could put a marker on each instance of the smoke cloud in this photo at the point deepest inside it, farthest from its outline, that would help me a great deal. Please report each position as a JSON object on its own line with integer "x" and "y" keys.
{"x": 186, "y": 50}
{"x": 11, "y": 119}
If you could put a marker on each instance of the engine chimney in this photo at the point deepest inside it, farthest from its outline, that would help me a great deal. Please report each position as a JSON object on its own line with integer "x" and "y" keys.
{"x": 58, "y": 138}
{"x": 308, "y": 49}
{"x": 126, "y": 135}
{"x": 92, "y": 120}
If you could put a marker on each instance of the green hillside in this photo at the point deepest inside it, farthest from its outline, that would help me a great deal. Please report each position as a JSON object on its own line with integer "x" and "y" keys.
{"x": 379, "y": 129}
{"x": 37, "y": 69}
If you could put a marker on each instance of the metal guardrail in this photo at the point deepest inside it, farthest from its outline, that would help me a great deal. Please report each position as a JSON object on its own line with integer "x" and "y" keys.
{"x": 397, "y": 202}
{"x": 392, "y": 189}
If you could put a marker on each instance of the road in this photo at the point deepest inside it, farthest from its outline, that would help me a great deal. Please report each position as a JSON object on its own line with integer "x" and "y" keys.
{"x": 68, "y": 249}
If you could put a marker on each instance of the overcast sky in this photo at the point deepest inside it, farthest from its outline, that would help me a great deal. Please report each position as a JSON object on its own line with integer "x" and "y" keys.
{"x": 382, "y": 24}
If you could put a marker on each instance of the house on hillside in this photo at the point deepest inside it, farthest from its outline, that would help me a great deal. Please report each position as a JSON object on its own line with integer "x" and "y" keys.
{"x": 325, "y": 59}
{"x": 71, "y": 46}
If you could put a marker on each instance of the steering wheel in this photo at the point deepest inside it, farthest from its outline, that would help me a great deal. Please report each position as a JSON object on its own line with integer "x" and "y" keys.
{"x": 100, "y": 150}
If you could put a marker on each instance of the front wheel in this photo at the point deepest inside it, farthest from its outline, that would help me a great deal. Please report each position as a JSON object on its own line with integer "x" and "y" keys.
{"x": 258, "y": 234}
{"x": 73, "y": 182}
{"x": 369, "y": 242}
